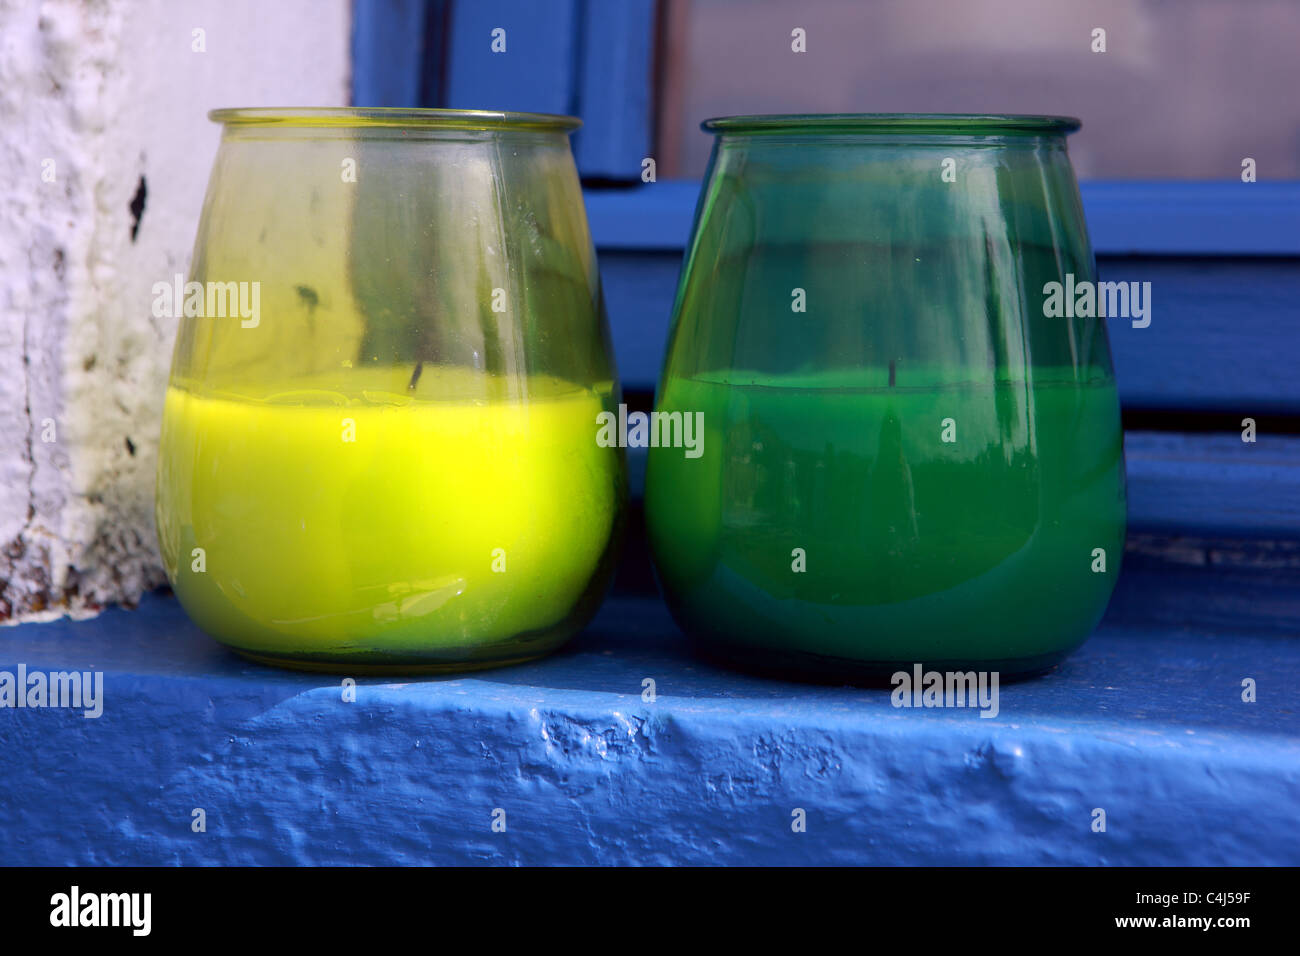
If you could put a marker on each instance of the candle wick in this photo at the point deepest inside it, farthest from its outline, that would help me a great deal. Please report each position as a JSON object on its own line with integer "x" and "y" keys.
{"x": 415, "y": 376}
{"x": 891, "y": 373}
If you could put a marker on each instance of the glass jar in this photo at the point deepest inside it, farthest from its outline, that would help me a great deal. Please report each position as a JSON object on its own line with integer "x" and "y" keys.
{"x": 909, "y": 456}
{"x": 379, "y": 441}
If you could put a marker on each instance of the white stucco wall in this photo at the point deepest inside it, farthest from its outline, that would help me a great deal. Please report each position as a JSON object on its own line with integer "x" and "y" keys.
{"x": 113, "y": 91}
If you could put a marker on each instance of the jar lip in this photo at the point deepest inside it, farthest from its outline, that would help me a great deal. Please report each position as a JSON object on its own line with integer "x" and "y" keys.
{"x": 951, "y": 124}
{"x": 370, "y": 116}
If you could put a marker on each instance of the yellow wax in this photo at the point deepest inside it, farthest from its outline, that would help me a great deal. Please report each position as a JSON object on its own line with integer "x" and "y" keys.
{"x": 465, "y": 513}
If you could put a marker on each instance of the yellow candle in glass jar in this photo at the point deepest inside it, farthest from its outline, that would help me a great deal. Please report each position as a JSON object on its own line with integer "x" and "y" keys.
{"x": 467, "y": 518}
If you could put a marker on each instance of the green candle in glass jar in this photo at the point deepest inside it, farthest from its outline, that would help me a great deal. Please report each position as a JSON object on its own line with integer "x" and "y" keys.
{"x": 908, "y": 457}
{"x": 859, "y": 520}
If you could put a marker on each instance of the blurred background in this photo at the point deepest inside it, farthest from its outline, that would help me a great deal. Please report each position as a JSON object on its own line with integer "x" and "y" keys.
{"x": 1185, "y": 89}
{"x": 1176, "y": 89}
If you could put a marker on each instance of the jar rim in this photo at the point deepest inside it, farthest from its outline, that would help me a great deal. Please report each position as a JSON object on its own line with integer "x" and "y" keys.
{"x": 951, "y": 124}
{"x": 372, "y": 116}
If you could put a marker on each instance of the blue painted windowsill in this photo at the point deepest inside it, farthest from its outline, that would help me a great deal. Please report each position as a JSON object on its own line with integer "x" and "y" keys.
{"x": 1148, "y": 726}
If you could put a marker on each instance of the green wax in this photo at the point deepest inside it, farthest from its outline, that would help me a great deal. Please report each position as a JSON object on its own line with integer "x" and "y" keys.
{"x": 979, "y": 549}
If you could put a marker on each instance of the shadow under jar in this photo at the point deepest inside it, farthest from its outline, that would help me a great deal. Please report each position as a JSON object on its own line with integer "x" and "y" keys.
{"x": 908, "y": 456}
{"x": 384, "y": 457}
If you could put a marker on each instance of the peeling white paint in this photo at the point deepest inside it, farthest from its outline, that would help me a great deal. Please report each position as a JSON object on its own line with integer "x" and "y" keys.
{"x": 112, "y": 91}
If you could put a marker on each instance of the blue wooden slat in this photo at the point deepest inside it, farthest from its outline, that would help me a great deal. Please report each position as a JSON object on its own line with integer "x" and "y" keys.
{"x": 1224, "y": 335}
{"x": 538, "y": 70}
{"x": 615, "y": 89}
{"x": 1209, "y": 485}
{"x": 1217, "y": 485}
{"x": 1181, "y": 583}
{"x": 650, "y": 217}
{"x": 388, "y": 51}
{"x": 1156, "y": 218}
{"x": 639, "y": 290}
{"x": 1193, "y": 218}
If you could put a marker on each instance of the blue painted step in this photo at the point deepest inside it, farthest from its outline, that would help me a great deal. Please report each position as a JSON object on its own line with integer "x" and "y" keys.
{"x": 1148, "y": 726}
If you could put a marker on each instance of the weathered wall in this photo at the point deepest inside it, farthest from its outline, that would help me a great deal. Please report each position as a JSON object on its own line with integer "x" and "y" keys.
{"x": 105, "y": 150}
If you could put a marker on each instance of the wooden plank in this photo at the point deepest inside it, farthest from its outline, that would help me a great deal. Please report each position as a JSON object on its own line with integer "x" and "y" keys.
{"x": 651, "y": 217}
{"x": 1210, "y": 486}
{"x": 537, "y": 71}
{"x": 615, "y": 88}
{"x": 1183, "y": 583}
{"x": 1193, "y": 218}
{"x": 639, "y": 289}
{"x": 388, "y": 51}
{"x": 1223, "y": 335}
{"x": 1157, "y": 218}
{"x": 1221, "y": 338}
{"x": 1214, "y": 483}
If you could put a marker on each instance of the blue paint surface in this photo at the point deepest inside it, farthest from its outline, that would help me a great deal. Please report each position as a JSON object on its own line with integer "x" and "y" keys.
{"x": 1193, "y": 218}
{"x": 1223, "y": 335}
{"x": 614, "y": 88}
{"x": 639, "y": 289}
{"x": 537, "y": 70}
{"x": 574, "y": 57}
{"x": 1211, "y": 485}
{"x": 1124, "y": 219}
{"x": 1215, "y": 485}
{"x": 649, "y": 217}
{"x": 388, "y": 51}
{"x": 1149, "y": 726}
